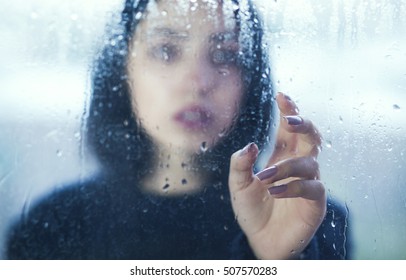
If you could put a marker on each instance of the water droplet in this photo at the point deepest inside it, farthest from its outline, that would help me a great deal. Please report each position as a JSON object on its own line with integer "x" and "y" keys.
{"x": 165, "y": 187}
{"x": 225, "y": 227}
{"x": 222, "y": 133}
{"x": 184, "y": 181}
{"x": 328, "y": 144}
{"x": 366, "y": 196}
{"x": 59, "y": 153}
{"x": 302, "y": 241}
{"x": 396, "y": 106}
{"x": 46, "y": 225}
{"x": 293, "y": 252}
{"x": 333, "y": 224}
{"x": 164, "y": 13}
{"x": 138, "y": 15}
{"x": 203, "y": 147}
{"x": 77, "y": 136}
{"x": 341, "y": 119}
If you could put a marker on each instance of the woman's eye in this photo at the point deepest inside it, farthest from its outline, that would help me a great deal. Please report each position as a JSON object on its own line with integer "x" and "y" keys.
{"x": 166, "y": 53}
{"x": 222, "y": 57}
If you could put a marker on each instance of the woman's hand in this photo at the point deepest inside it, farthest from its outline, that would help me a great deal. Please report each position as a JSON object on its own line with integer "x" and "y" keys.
{"x": 280, "y": 208}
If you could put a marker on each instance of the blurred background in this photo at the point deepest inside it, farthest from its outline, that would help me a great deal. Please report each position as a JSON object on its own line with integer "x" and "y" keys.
{"x": 342, "y": 61}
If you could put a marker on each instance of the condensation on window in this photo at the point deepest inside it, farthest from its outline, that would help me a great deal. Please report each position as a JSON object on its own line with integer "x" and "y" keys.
{"x": 341, "y": 61}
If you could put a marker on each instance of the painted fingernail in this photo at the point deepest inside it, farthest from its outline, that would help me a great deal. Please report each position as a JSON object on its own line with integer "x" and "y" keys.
{"x": 247, "y": 149}
{"x": 287, "y": 97}
{"x": 277, "y": 189}
{"x": 294, "y": 120}
{"x": 267, "y": 173}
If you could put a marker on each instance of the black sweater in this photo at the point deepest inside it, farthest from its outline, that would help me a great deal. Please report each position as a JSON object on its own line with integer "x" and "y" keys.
{"x": 109, "y": 218}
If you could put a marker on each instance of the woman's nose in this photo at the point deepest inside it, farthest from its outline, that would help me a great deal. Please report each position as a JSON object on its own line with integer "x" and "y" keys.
{"x": 201, "y": 75}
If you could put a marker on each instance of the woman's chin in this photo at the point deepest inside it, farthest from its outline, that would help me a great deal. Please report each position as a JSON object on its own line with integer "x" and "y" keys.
{"x": 188, "y": 147}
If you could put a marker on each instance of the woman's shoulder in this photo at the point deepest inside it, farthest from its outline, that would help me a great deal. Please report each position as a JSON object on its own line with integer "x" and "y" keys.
{"x": 68, "y": 197}
{"x": 334, "y": 235}
{"x": 333, "y": 238}
{"x": 64, "y": 210}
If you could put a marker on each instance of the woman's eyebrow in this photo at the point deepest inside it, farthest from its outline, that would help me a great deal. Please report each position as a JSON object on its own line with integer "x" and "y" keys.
{"x": 225, "y": 36}
{"x": 168, "y": 33}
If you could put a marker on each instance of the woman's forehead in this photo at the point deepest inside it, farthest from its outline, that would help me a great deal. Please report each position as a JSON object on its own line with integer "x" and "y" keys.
{"x": 190, "y": 13}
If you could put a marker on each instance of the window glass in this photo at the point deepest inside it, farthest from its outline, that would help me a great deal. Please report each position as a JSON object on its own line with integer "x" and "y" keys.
{"x": 342, "y": 63}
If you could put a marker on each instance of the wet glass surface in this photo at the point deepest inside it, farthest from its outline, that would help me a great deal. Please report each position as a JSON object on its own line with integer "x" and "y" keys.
{"x": 342, "y": 62}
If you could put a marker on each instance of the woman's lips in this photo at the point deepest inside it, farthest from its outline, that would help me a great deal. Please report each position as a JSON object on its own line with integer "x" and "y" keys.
{"x": 193, "y": 117}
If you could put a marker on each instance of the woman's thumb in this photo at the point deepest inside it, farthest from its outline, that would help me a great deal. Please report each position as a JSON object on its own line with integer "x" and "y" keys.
{"x": 241, "y": 167}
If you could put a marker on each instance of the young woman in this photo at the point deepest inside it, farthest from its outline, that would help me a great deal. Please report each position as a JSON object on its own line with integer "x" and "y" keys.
{"x": 181, "y": 106}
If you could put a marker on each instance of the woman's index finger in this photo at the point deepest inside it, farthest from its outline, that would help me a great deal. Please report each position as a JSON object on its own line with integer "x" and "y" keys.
{"x": 286, "y": 105}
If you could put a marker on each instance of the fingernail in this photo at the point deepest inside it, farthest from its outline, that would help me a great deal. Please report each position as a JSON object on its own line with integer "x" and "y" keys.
{"x": 267, "y": 173}
{"x": 294, "y": 120}
{"x": 247, "y": 149}
{"x": 287, "y": 97}
{"x": 277, "y": 189}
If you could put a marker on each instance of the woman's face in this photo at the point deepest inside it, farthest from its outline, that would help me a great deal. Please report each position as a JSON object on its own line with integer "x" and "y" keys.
{"x": 184, "y": 75}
